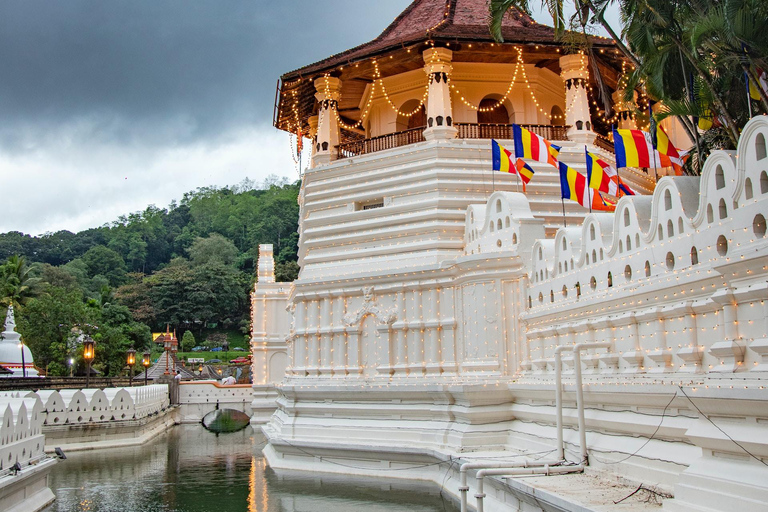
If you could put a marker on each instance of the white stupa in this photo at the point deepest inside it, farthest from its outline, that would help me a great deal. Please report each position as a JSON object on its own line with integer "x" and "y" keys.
{"x": 11, "y": 350}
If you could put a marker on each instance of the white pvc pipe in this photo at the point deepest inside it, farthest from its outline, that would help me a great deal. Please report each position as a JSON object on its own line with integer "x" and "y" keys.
{"x": 487, "y": 465}
{"x": 580, "y": 394}
{"x": 559, "y": 399}
{"x": 546, "y": 470}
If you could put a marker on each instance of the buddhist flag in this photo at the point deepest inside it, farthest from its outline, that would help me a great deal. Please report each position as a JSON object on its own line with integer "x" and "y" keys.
{"x": 665, "y": 148}
{"x": 601, "y": 203}
{"x": 532, "y": 146}
{"x": 600, "y": 174}
{"x": 573, "y": 186}
{"x": 603, "y": 177}
{"x": 634, "y": 148}
{"x": 502, "y": 158}
{"x": 524, "y": 171}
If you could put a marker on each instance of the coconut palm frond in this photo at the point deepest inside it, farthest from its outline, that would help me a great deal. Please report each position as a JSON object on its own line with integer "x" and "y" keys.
{"x": 496, "y": 11}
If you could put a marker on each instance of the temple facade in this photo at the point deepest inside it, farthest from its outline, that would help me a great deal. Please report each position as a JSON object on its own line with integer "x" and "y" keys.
{"x": 443, "y": 314}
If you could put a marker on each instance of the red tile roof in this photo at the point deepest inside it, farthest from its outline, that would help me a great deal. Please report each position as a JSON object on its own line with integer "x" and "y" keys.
{"x": 438, "y": 20}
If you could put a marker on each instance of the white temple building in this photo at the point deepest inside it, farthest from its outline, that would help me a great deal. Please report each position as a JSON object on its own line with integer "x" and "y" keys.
{"x": 14, "y": 355}
{"x": 441, "y": 317}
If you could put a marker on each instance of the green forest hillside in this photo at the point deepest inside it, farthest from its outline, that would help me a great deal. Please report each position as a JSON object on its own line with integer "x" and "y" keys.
{"x": 189, "y": 266}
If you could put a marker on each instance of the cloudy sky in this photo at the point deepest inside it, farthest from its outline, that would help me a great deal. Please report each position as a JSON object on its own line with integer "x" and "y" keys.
{"x": 107, "y": 106}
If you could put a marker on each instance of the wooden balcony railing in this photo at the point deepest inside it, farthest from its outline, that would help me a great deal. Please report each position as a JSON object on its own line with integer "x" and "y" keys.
{"x": 504, "y": 131}
{"x": 604, "y": 143}
{"x": 466, "y": 131}
{"x": 389, "y": 141}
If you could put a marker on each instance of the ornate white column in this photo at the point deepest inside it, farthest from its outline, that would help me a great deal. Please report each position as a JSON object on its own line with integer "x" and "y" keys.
{"x": 416, "y": 336}
{"x": 313, "y": 120}
{"x": 338, "y": 337}
{"x": 729, "y": 353}
{"x": 625, "y": 110}
{"x": 437, "y": 65}
{"x": 325, "y": 335}
{"x": 574, "y": 71}
{"x": 431, "y": 338}
{"x": 328, "y": 93}
{"x": 400, "y": 329}
{"x": 313, "y": 338}
{"x": 300, "y": 340}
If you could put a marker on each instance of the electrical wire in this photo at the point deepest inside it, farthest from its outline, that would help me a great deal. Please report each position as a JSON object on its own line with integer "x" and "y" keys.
{"x": 758, "y": 459}
{"x": 663, "y": 415}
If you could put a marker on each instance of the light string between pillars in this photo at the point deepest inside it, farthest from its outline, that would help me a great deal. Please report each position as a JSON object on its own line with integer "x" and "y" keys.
{"x": 519, "y": 68}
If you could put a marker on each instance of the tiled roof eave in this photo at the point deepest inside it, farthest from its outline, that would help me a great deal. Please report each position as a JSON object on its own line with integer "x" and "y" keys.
{"x": 359, "y": 54}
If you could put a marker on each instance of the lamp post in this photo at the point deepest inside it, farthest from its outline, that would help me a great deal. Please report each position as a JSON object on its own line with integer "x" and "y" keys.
{"x": 167, "y": 349}
{"x": 131, "y": 361}
{"x": 71, "y": 366}
{"x": 23, "y": 363}
{"x": 146, "y": 362}
{"x": 88, "y": 355}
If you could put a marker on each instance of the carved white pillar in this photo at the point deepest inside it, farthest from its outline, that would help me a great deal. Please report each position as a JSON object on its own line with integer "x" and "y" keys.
{"x": 729, "y": 352}
{"x": 339, "y": 356}
{"x": 625, "y": 110}
{"x": 431, "y": 348}
{"x": 634, "y": 358}
{"x": 437, "y": 66}
{"x": 690, "y": 352}
{"x": 325, "y": 336}
{"x": 574, "y": 70}
{"x": 313, "y": 120}
{"x": 266, "y": 264}
{"x": 328, "y": 93}
{"x": 400, "y": 330}
{"x": 300, "y": 341}
{"x": 313, "y": 338}
{"x": 416, "y": 336}
{"x": 448, "y": 349}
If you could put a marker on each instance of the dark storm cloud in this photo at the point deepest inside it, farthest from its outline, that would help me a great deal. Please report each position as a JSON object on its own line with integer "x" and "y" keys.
{"x": 160, "y": 72}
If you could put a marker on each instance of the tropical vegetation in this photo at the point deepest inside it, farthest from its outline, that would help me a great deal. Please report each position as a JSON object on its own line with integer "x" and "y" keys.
{"x": 704, "y": 60}
{"x": 188, "y": 267}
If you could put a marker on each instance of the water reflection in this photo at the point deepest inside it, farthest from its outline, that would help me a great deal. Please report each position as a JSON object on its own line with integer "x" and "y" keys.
{"x": 189, "y": 469}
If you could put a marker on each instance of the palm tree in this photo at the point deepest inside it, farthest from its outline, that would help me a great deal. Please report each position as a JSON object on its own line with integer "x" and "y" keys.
{"x": 16, "y": 282}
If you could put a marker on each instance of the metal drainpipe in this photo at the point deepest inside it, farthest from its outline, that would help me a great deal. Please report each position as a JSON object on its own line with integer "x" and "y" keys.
{"x": 559, "y": 398}
{"x": 577, "y": 348}
{"x": 487, "y": 465}
{"x": 546, "y": 470}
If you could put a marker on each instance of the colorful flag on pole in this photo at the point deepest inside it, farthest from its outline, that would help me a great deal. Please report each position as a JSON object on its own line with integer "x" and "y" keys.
{"x": 573, "y": 186}
{"x": 634, "y": 148}
{"x": 524, "y": 171}
{"x": 600, "y": 174}
{"x": 502, "y": 161}
{"x": 532, "y": 146}
{"x": 603, "y": 176}
{"x": 665, "y": 147}
{"x": 502, "y": 158}
{"x": 601, "y": 203}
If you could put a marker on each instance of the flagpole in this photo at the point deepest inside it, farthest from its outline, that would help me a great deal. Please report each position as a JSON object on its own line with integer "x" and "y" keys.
{"x": 618, "y": 176}
{"x": 749, "y": 98}
{"x": 565, "y": 221}
{"x": 652, "y": 128}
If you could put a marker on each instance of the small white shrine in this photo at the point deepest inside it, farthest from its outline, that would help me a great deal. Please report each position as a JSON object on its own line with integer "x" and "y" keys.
{"x": 14, "y": 355}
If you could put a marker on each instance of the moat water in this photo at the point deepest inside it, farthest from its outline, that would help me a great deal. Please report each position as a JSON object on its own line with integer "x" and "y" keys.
{"x": 189, "y": 469}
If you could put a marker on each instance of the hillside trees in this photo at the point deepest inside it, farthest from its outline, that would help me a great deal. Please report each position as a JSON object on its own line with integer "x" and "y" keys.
{"x": 190, "y": 265}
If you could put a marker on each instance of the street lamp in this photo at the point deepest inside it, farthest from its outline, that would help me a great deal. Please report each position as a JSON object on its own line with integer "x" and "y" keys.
{"x": 167, "y": 349}
{"x": 131, "y": 361}
{"x": 88, "y": 355}
{"x": 23, "y": 363}
{"x": 146, "y": 362}
{"x": 71, "y": 365}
